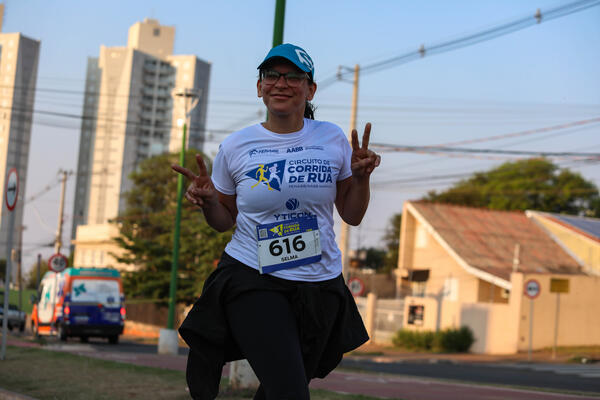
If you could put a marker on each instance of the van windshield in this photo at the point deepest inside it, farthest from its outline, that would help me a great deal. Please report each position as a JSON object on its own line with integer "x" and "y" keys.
{"x": 95, "y": 291}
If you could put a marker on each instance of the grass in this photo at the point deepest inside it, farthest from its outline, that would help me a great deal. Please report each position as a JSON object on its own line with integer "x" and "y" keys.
{"x": 54, "y": 375}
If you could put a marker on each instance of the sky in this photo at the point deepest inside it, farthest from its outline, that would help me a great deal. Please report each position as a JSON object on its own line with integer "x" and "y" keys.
{"x": 538, "y": 77}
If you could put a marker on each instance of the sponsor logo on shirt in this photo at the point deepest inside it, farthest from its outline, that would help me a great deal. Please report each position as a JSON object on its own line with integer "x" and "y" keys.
{"x": 268, "y": 174}
{"x": 295, "y": 149}
{"x": 259, "y": 152}
{"x": 292, "y": 204}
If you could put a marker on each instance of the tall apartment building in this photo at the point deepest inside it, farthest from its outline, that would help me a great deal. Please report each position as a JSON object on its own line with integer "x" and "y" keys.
{"x": 19, "y": 56}
{"x": 130, "y": 113}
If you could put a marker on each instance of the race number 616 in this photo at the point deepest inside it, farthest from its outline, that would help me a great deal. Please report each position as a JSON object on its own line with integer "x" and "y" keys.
{"x": 275, "y": 248}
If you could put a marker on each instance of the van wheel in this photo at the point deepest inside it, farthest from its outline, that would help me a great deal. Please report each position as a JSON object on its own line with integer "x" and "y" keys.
{"x": 113, "y": 339}
{"x": 84, "y": 339}
{"x": 62, "y": 335}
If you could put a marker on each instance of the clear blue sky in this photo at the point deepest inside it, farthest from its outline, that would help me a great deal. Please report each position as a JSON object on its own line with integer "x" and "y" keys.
{"x": 540, "y": 76}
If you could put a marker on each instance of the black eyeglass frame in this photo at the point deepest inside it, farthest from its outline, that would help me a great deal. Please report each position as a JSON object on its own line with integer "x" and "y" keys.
{"x": 292, "y": 74}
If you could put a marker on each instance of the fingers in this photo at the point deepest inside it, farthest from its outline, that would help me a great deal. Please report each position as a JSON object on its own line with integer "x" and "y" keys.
{"x": 201, "y": 165}
{"x": 365, "y": 139}
{"x": 366, "y": 135}
{"x": 183, "y": 171}
{"x": 354, "y": 137}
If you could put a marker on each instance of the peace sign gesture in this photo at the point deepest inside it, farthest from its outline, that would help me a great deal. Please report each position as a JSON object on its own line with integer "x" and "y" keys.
{"x": 363, "y": 160}
{"x": 201, "y": 191}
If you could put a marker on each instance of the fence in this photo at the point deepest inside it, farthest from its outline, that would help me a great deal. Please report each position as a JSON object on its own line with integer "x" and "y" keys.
{"x": 382, "y": 317}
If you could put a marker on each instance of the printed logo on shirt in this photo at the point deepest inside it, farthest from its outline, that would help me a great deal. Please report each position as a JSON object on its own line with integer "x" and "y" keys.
{"x": 268, "y": 174}
{"x": 292, "y": 204}
{"x": 294, "y": 149}
{"x": 307, "y": 172}
{"x": 314, "y": 148}
{"x": 260, "y": 152}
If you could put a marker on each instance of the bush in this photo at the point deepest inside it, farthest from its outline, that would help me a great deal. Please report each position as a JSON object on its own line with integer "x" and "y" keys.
{"x": 448, "y": 340}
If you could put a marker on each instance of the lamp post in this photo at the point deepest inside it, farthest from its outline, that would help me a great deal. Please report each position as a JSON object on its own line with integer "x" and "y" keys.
{"x": 168, "y": 342}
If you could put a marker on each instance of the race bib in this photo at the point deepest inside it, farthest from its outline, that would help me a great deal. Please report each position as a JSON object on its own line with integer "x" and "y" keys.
{"x": 288, "y": 244}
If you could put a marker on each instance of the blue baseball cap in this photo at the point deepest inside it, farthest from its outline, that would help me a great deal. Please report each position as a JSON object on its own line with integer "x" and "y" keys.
{"x": 296, "y": 55}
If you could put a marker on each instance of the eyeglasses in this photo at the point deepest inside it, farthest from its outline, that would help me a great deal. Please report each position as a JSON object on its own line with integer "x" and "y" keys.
{"x": 293, "y": 79}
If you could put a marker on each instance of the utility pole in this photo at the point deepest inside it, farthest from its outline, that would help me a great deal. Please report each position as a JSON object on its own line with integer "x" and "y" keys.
{"x": 58, "y": 240}
{"x": 345, "y": 229}
{"x": 19, "y": 258}
{"x": 168, "y": 342}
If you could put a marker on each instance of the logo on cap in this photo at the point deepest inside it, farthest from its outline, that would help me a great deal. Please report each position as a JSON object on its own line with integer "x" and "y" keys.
{"x": 304, "y": 58}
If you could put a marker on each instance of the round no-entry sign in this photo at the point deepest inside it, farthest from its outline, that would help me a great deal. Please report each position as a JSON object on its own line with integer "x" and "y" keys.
{"x": 58, "y": 262}
{"x": 356, "y": 286}
{"x": 11, "y": 191}
{"x": 532, "y": 289}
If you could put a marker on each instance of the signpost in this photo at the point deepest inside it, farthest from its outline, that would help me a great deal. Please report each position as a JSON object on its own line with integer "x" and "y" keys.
{"x": 532, "y": 290}
{"x": 58, "y": 262}
{"x": 11, "y": 194}
{"x": 557, "y": 286}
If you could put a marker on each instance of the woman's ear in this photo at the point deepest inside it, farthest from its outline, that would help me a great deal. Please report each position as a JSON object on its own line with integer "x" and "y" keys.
{"x": 258, "y": 88}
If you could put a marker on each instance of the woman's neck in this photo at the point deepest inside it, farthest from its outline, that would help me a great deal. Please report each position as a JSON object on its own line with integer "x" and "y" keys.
{"x": 287, "y": 124}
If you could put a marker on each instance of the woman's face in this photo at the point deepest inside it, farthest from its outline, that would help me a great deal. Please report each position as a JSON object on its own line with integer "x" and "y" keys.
{"x": 281, "y": 99}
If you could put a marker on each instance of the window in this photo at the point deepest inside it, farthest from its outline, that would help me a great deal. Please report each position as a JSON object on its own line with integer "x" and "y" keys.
{"x": 156, "y": 32}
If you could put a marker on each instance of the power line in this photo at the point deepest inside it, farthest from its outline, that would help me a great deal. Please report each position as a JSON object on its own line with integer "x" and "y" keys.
{"x": 468, "y": 40}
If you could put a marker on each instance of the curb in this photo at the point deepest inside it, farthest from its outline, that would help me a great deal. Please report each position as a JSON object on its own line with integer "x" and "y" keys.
{"x": 8, "y": 395}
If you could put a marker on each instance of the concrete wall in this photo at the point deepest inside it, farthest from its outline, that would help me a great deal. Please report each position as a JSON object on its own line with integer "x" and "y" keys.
{"x": 578, "y": 316}
{"x": 504, "y": 328}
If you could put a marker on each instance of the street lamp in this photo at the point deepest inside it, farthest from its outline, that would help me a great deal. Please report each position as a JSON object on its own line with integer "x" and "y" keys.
{"x": 168, "y": 342}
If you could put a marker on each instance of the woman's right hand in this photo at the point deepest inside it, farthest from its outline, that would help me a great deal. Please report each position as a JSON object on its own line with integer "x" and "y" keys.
{"x": 201, "y": 192}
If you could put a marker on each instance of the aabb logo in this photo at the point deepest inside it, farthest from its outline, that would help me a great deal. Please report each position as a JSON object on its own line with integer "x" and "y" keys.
{"x": 295, "y": 149}
{"x": 268, "y": 174}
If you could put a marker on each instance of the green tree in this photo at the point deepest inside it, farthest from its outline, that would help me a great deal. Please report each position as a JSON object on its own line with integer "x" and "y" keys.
{"x": 146, "y": 233}
{"x": 30, "y": 279}
{"x": 391, "y": 239}
{"x": 533, "y": 184}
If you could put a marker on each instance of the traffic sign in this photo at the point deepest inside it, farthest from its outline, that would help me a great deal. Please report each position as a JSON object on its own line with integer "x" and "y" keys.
{"x": 532, "y": 289}
{"x": 58, "y": 262}
{"x": 11, "y": 192}
{"x": 357, "y": 286}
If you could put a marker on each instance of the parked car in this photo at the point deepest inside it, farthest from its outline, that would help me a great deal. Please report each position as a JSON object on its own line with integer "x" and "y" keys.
{"x": 16, "y": 317}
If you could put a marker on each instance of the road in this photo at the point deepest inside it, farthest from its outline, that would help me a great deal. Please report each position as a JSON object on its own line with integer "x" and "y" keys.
{"x": 398, "y": 380}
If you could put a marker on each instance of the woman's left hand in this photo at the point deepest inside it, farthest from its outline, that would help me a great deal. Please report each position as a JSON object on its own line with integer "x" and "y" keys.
{"x": 363, "y": 160}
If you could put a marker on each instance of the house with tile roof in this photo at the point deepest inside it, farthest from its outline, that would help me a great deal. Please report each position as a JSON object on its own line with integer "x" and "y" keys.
{"x": 578, "y": 236}
{"x": 469, "y": 266}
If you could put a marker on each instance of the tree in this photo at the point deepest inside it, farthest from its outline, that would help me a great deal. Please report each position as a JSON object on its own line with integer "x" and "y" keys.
{"x": 146, "y": 233}
{"x": 30, "y": 281}
{"x": 533, "y": 184}
{"x": 391, "y": 238}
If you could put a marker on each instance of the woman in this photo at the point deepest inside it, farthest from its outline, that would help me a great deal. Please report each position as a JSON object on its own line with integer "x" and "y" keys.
{"x": 277, "y": 297}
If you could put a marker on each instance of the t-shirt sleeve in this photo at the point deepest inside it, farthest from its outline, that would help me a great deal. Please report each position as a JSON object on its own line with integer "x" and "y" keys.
{"x": 221, "y": 177}
{"x": 345, "y": 170}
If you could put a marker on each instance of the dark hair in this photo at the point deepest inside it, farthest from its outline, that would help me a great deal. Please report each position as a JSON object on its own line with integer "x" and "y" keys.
{"x": 309, "y": 110}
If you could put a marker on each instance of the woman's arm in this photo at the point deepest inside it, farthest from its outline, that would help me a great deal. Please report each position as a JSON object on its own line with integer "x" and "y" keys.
{"x": 353, "y": 193}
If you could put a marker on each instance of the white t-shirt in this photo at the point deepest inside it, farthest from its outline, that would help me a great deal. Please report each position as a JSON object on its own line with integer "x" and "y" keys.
{"x": 278, "y": 177}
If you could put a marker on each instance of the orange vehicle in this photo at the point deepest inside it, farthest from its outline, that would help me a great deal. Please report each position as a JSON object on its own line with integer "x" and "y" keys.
{"x": 82, "y": 302}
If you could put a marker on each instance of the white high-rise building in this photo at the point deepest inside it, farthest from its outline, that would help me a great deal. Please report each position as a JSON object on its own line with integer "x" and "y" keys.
{"x": 130, "y": 113}
{"x": 19, "y": 58}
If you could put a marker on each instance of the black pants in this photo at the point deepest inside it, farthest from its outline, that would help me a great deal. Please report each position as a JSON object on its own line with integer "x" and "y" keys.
{"x": 264, "y": 327}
